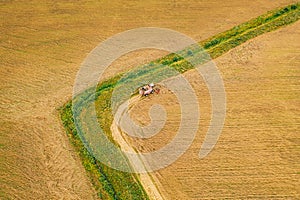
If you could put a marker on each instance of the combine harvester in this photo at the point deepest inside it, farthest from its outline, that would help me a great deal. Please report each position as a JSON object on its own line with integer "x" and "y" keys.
{"x": 148, "y": 89}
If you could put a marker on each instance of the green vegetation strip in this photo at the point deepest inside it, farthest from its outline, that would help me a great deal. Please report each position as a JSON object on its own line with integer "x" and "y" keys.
{"x": 114, "y": 184}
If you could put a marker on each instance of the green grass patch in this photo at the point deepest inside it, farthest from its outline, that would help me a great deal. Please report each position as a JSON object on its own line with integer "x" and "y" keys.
{"x": 113, "y": 184}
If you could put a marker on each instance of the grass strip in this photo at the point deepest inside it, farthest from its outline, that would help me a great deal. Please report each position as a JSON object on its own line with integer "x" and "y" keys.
{"x": 113, "y": 184}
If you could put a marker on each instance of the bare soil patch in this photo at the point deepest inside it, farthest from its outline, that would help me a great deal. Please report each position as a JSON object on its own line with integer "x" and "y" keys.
{"x": 258, "y": 152}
